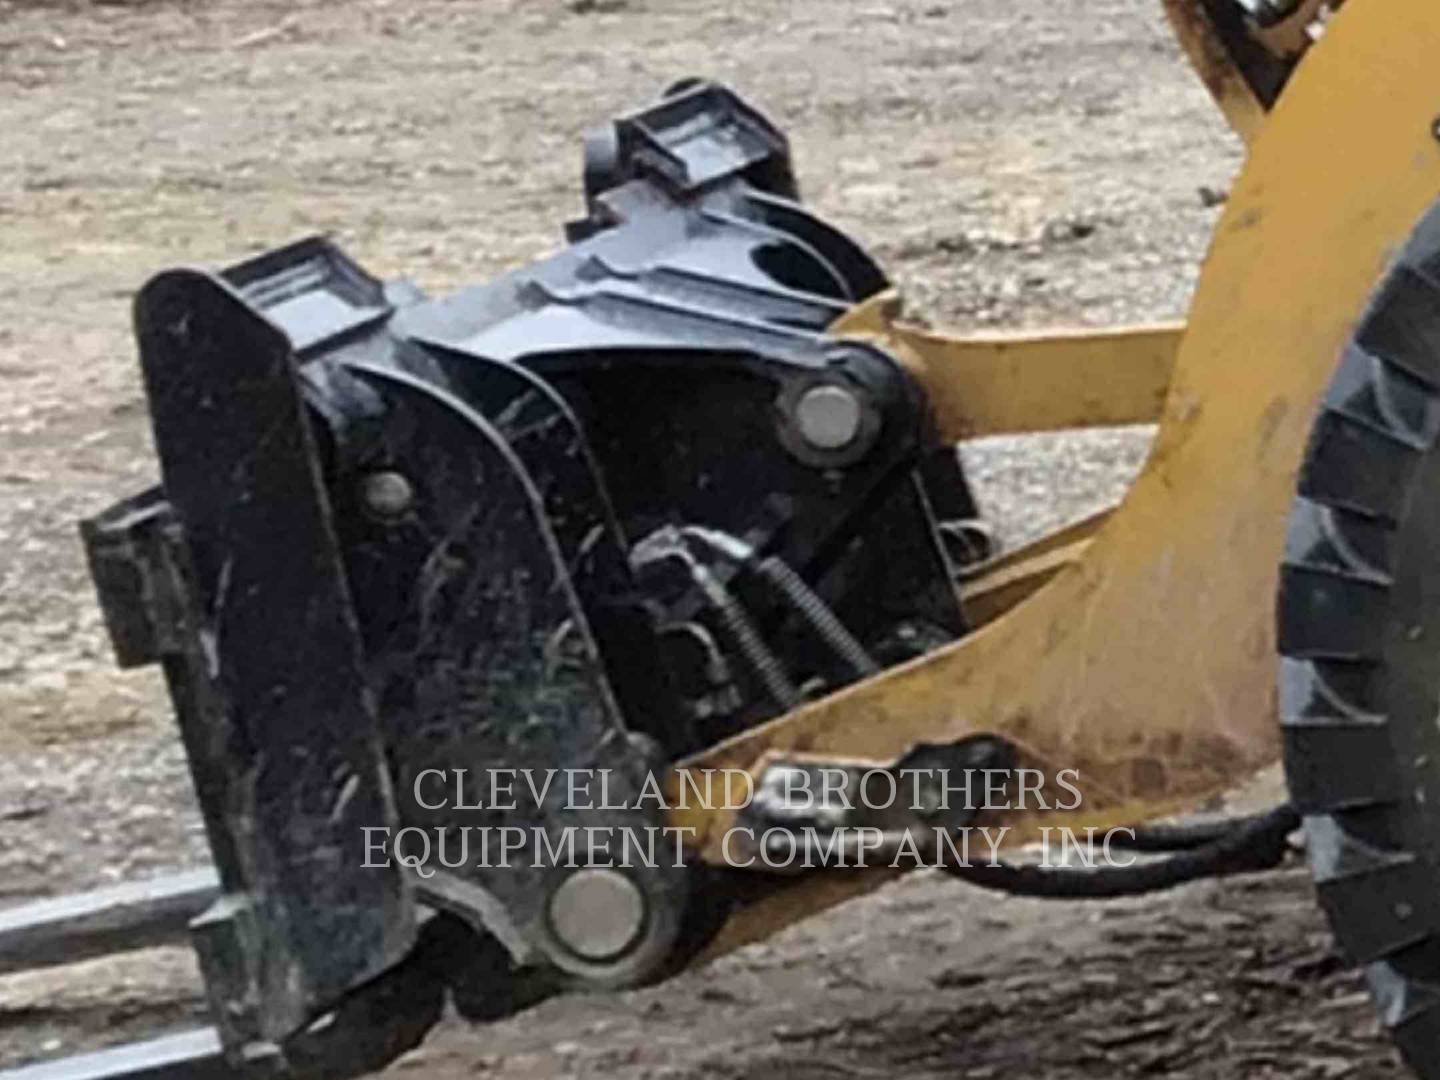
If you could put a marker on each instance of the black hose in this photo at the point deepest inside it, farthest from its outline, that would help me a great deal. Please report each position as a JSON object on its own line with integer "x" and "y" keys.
{"x": 1186, "y": 836}
{"x": 1248, "y": 844}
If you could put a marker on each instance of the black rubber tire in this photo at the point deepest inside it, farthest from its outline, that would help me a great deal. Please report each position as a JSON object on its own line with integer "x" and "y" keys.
{"x": 1359, "y": 633}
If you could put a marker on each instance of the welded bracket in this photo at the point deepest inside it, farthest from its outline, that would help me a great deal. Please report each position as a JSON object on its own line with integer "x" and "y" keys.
{"x": 264, "y": 663}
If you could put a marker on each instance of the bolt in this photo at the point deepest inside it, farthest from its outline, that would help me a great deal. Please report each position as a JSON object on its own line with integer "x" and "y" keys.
{"x": 387, "y": 494}
{"x": 597, "y": 913}
{"x": 828, "y": 417}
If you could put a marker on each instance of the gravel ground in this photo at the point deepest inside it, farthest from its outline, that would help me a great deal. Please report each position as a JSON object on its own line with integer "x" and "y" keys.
{"x": 1013, "y": 162}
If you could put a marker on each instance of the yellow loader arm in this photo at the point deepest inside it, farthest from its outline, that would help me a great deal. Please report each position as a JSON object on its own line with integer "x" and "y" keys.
{"x": 1141, "y": 646}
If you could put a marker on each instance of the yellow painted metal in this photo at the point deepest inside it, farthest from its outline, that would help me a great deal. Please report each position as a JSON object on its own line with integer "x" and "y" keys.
{"x": 1271, "y": 52}
{"x": 1291, "y": 37}
{"x": 1002, "y": 384}
{"x": 1067, "y": 536}
{"x": 1007, "y": 579}
{"x": 790, "y": 903}
{"x": 996, "y": 591}
{"x": 1216, "y": 67}
{"x": 1149, "y": 663}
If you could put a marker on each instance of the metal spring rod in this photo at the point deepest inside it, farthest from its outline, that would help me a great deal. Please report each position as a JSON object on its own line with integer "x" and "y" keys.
{"x": 134, "y": 915}
{"x": 766, "y": 665}
{"x": 782, "y": 577}
{"x": 817, "y": 614}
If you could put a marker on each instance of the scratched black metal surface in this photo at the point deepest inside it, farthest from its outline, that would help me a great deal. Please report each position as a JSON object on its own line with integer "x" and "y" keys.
{"x": 482, "y": 656}
{"x": 321, "y": 654}
{"x": 538, "y": 426}
{"x": 281, "y": 695}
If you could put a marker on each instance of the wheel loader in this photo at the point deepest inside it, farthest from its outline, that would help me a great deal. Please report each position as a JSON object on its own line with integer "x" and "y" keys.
{"x": 572, "y": 629}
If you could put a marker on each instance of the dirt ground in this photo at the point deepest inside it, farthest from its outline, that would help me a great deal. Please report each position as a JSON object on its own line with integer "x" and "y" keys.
{"x": 1013, "y": 162}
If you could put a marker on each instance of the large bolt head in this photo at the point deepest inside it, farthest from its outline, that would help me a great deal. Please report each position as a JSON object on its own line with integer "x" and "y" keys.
{"x": 597, "y": 913}
{"x": 828, "y": 417}
{"x": 387, "y": 494}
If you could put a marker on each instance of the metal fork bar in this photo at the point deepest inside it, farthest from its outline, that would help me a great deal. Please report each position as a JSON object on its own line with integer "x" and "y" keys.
{"x": 188, "y": 1055}
{"x": 135, "y": 915}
